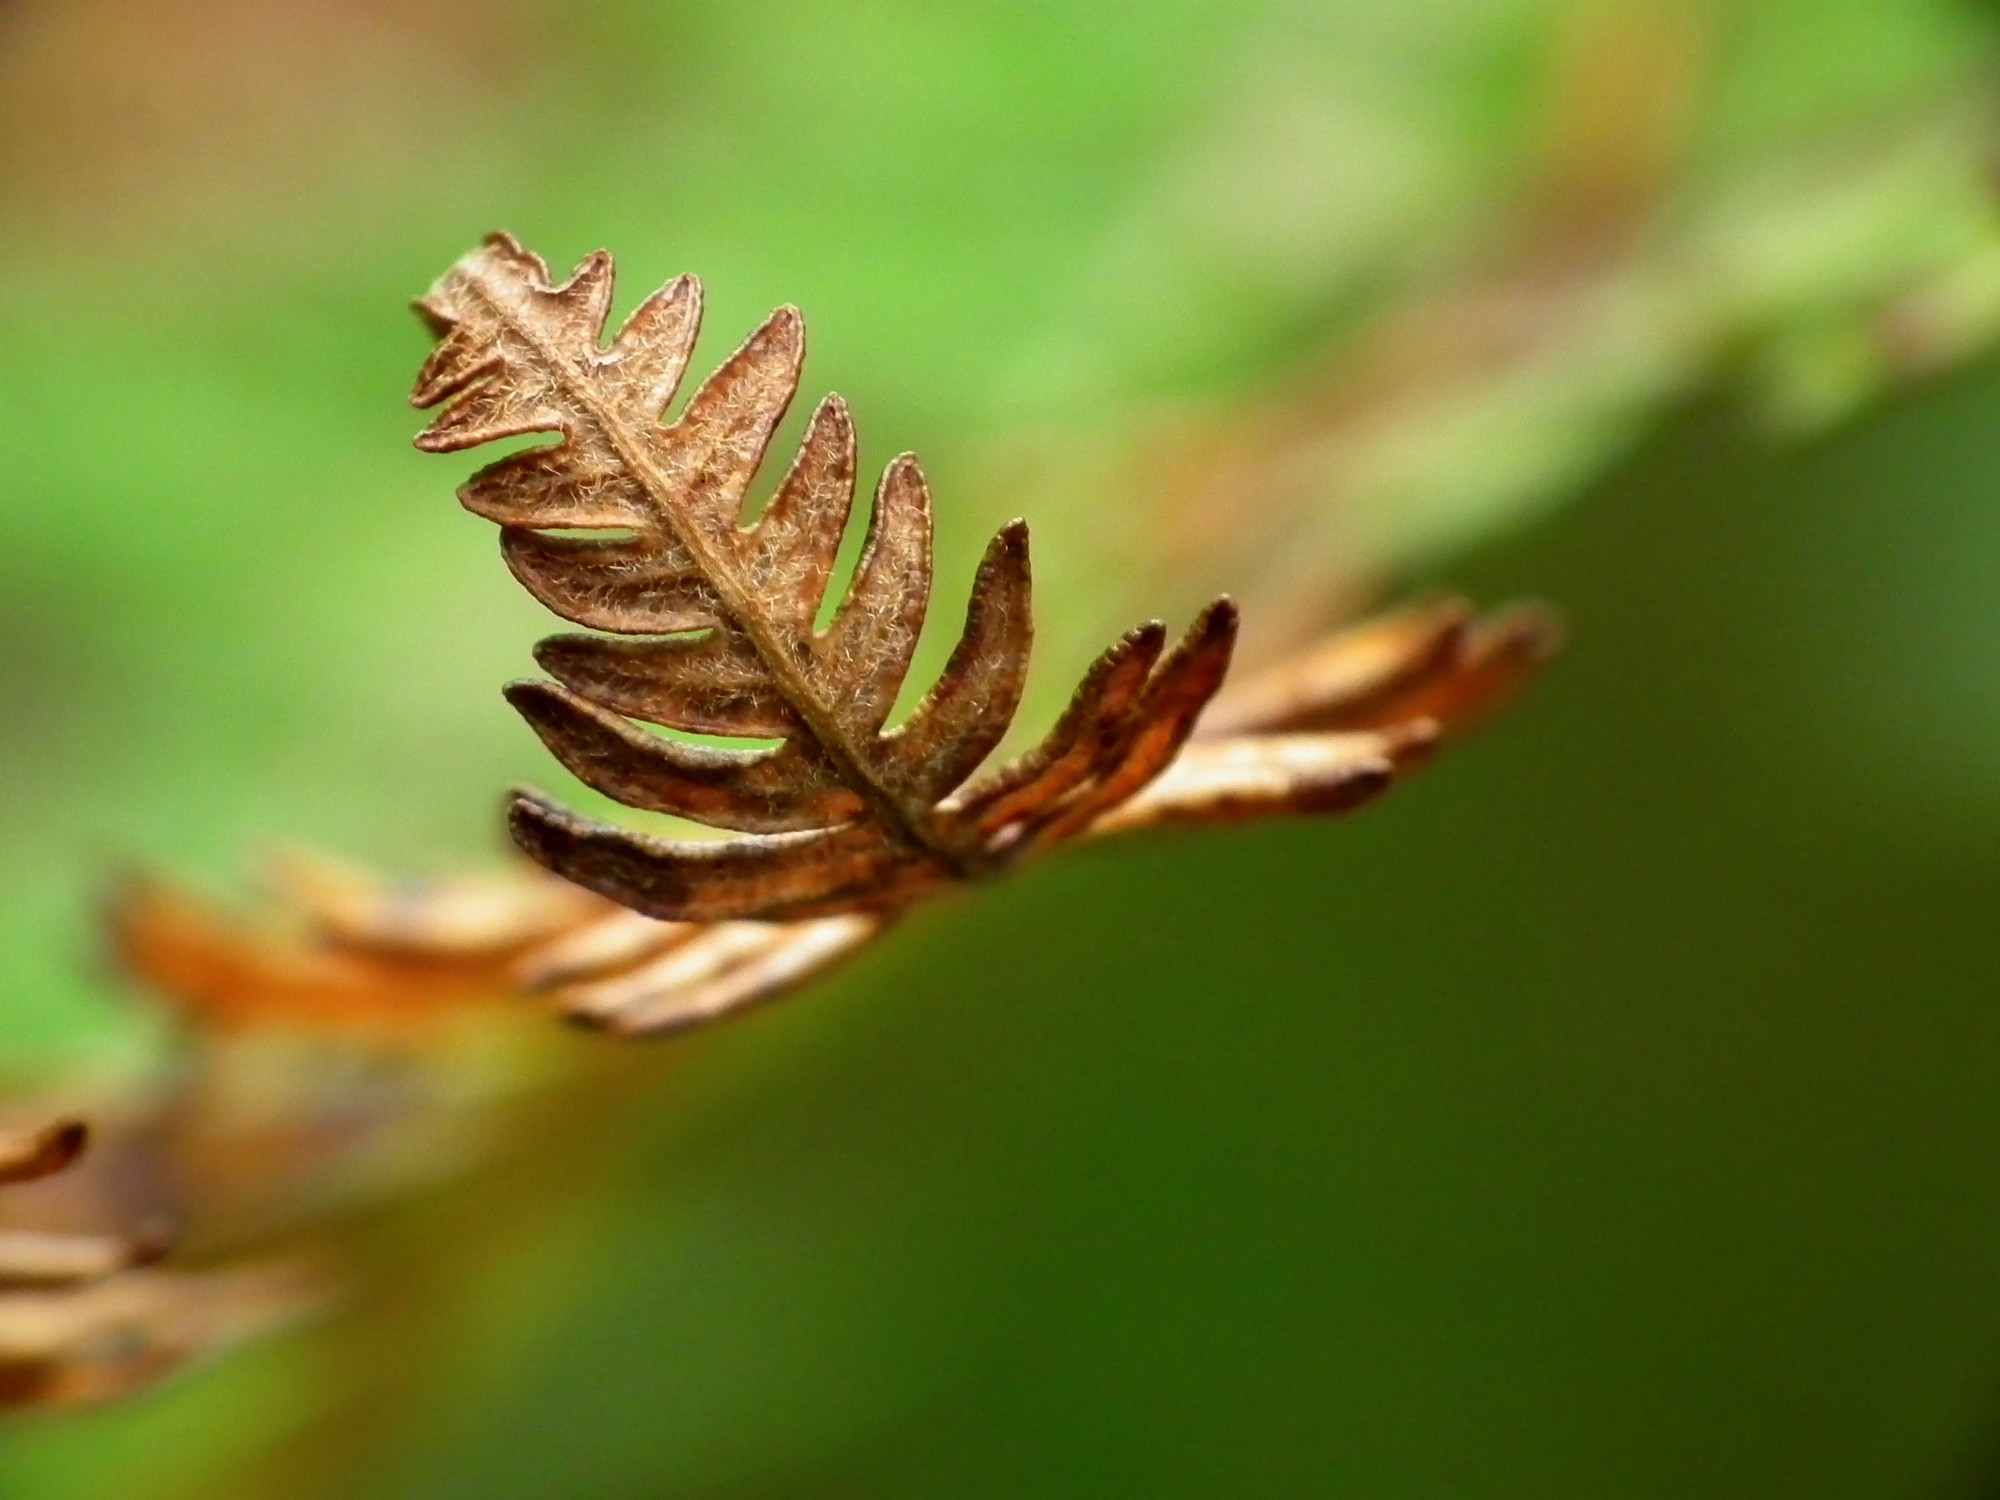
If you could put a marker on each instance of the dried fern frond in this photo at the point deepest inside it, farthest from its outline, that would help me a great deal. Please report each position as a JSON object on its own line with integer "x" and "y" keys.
{"x": 712, "y": 619}
{"x": 1331, "y": 728}
{"x": 846, "y": 815}
{"x": 85, "y": 1317}
{"x": 537, "y": 933}
{"x": 1438, "y": 660}
{"x": 338, "y": 948}
{"x": 1336, "y": 724}
{"x": 226, "y": 973}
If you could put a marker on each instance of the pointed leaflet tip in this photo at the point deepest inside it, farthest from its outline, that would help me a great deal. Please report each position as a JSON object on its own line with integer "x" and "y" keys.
{"x": 43, "y": 1154}
{"x": 586, "y": 296}
{"x": 1216, "y": 624}
{"x": 649, "y": 355}
{"x": 777, "y": 341}
{"x": 798, "y": 537}
{"x": 874, "y": 633}
{"x": 712, "y": 453}
{"x": 502, "y": 246}
{"x": 968, "y": 711}
{"x": 594, "y": 268}
{"x": 1160, "y": 723}
{"x": 1084, "y": 744}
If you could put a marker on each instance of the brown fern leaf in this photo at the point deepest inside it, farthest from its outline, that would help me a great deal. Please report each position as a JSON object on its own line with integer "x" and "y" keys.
{"x": 230, "y": 974}
{"x": 601, "y": 963}
{"x": 845, "y": 816}
{"x": 845, "y": 821}
{"x": 1326, "y": 731}
{"x": 340, "y": 946}
{"x": 1336, "y": 725}
{"x": 339, "y": 949}
{"x": 1437, "y": 660}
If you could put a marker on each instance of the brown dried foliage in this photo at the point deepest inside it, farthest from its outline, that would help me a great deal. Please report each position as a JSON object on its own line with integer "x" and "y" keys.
{"x": 845, "y": 822}
{"x": 342, "y": 947}
{"x": 87, "y": 1316}
{"x": 337, "y": 948}
{"x": 844, "y": 815}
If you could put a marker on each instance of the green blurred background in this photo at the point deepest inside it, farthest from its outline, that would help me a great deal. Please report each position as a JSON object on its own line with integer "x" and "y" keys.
{"x": 1610, "y": 1112}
